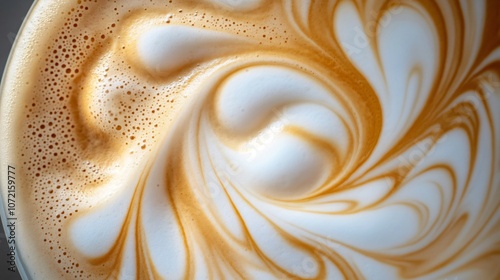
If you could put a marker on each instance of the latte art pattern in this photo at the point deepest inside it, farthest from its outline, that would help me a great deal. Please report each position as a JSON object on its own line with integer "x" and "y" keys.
{"x": 305, "y": 139}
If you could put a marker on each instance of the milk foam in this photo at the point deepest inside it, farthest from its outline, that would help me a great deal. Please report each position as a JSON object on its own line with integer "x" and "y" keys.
{"x": 259, "y": 140}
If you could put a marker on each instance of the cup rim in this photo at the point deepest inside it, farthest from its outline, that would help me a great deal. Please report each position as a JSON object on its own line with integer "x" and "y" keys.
{"x": 8, "y": 77}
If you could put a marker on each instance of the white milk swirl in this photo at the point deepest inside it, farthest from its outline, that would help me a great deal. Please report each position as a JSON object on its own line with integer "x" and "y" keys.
{"x": 269, "y": 140}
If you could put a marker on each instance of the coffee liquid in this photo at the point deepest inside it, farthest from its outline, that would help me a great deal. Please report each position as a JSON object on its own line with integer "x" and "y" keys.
{"x": 256, "y": 139}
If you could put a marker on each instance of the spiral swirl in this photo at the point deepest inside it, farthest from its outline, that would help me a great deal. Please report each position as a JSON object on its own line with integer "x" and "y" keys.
{"x": 361, "y": 143}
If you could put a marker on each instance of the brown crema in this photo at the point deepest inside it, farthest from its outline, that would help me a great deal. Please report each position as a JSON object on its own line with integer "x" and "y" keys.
{"x": 105, "y": 122}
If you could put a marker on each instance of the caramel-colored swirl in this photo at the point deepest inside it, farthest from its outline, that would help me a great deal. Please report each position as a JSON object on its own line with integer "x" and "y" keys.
{"x": 283, "y": 139}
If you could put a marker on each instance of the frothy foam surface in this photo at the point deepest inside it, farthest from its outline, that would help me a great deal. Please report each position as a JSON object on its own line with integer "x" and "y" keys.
{"x": 257, "y": 139}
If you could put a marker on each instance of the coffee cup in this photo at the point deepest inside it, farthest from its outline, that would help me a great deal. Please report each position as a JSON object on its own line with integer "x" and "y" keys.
{"x": 255, "y": 139}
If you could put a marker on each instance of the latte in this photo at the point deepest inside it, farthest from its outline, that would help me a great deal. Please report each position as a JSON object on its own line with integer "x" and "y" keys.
{"x": 225, "y": 139}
